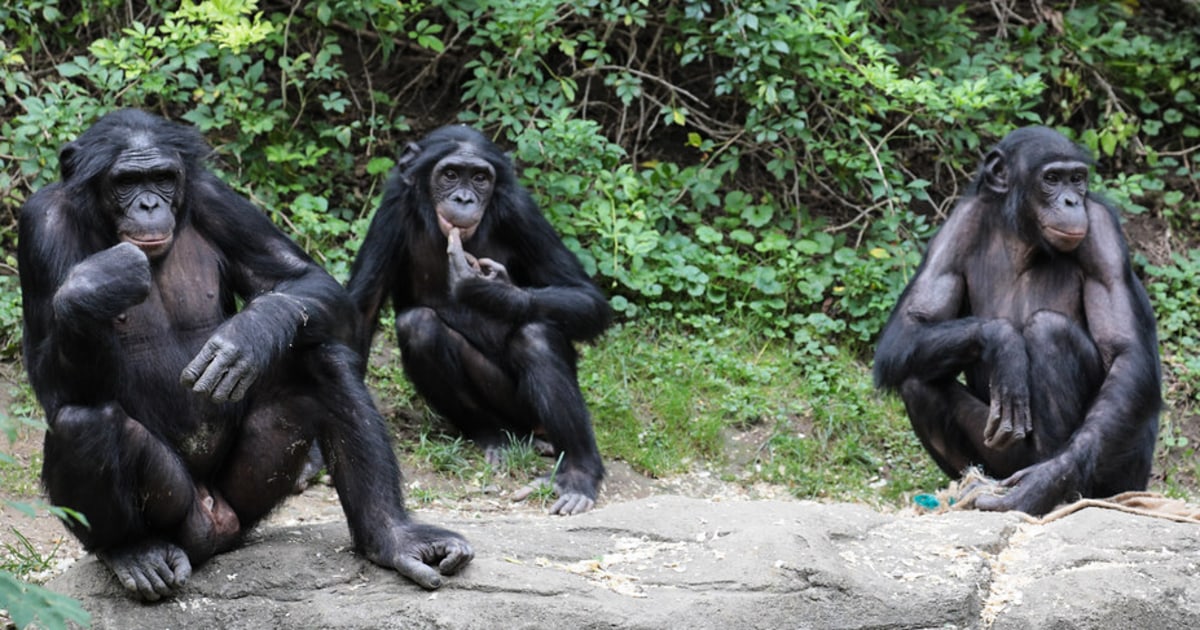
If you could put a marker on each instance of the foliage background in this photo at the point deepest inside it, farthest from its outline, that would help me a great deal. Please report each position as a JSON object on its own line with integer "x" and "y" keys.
{"x": 771, "y": 166}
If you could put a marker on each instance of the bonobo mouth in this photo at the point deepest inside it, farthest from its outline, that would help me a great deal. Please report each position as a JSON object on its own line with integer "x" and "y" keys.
{"x": 151, "y": 245}
{"x": 464, "y": 231}
{"x": 1062, "y": 240}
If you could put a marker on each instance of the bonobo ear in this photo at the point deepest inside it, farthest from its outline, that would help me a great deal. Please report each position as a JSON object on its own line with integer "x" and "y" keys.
{"x": 66, "y": 160}
{"x": 411, "y": 152}
{"x": 995, "y": 172}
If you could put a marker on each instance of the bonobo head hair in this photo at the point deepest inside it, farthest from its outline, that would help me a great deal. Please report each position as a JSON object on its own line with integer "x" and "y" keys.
{"x": 1007, "y": 172}
{"x": 95, "y": 150}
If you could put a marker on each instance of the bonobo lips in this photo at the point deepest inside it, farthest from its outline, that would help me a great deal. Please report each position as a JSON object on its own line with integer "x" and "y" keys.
{"x": 151, "y": 244}
{"x": 464, "y": 231}
{"x": 1064, "y": 241}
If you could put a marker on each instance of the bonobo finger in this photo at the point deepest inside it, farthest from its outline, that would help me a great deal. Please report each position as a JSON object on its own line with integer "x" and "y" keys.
{"x": 454, "y": 242}
{"x": 993, "y": 421}
{"x": 572, "y": 503}
{"x": 243, "y": 385}
{"x": 181, "y": 567}
{"x": 530, "y": 488}
{"x": 992, "y": 503}
{"x": 1025, "y": 422}
{"x": 195, "y": 368}
{"x": 234, "y": 383}
{"x": 414, "y": 569}
{"x": 1014, "y": 479}
{"x": 215, "y": 370}
{"x": 493, "y": 270}
{"x": 1001, "y": 438}
{"x": 456, "y": 554}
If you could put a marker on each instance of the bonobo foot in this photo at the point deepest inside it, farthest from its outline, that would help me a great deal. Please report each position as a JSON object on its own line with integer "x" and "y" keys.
{"x": 494, "y": 449}
{"x": 152, "y": 569}
{"x": 311, "y": 470}
{"x": 1034, "y": 490}
{"x": 414, "y": 550}
{"x": 576, "y": 492}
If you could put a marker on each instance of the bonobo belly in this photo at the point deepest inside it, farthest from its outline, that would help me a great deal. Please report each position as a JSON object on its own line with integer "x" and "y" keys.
{"x": 155, "y": 351}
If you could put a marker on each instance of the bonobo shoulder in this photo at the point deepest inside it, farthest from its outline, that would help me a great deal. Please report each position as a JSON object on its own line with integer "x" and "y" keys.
{"x": 962, "y": 232}
{"x": 1104, "y": 251}
{"x": 45, "y": 203}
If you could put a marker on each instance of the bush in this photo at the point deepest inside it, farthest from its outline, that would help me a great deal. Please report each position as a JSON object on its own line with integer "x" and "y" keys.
{"x": 775, "y": 162}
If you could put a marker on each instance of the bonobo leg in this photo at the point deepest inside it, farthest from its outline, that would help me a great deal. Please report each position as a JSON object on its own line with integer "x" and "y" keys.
{"x": 133, "y": 489}
{"x": 457, "y": 380}
{"x": 484, "y": 400}
{"x": 273, "y": 447}
{"x": 949, "y": 420}
{"x": 547, "y": 385}
{"x": 359, "y": 455}
{"x": 1066, "y": 372}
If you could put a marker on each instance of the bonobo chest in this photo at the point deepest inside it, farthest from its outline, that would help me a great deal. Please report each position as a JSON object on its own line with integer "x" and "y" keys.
{"x": 185, "y": 301}
{"x": 428, "y": 270}
{"x": 998, "y": 286}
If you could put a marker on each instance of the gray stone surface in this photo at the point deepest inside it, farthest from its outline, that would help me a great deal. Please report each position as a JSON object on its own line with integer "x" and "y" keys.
{"x": 673, "y": 562}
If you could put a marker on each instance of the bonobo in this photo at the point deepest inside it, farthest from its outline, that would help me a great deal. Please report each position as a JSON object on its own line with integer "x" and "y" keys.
{"x": 488, "y": 303}
{"x": 132, "y": 269}
{"x": 1027, "y": 291}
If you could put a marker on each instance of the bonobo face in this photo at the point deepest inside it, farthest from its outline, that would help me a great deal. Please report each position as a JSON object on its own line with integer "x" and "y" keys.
{"x": 1062, "y": 211}
{"x": 462, "y": 185}
{"x": 142, "y": 190}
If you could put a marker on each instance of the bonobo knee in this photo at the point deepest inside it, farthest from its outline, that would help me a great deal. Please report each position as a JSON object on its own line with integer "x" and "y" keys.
{"x": 418, "y": 327}
{"x": 1051, "y": 331}
{"x": 75, "y": 423}
{"x": 538, "y": 340}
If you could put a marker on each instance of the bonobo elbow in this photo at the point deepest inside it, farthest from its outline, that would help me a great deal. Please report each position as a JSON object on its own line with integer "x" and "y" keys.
{"x": 888, "y": 369}
{"x": 594, "y": 322}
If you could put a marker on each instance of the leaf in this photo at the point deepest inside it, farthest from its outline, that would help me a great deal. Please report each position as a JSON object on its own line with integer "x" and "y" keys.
{"x": 377, "y": 165}
{"x": 28, "y": 604}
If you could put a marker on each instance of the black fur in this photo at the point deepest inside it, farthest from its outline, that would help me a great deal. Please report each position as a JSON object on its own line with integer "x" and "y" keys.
{"x": 159, "y": 468}
{"x": 492, "y": 356}
{"x": 1057, "y": 343}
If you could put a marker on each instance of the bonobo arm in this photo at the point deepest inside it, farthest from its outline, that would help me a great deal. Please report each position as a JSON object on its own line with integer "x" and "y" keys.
{"x": 926, "y": 334}
{"x": 926, "y": 337}
{"x": 373, "y": 274}
{"x": 1121, "y": 321}
{"x": 544, "y": 281}
{"x": 290, "y": 300}
{"x": 73, "y": 284}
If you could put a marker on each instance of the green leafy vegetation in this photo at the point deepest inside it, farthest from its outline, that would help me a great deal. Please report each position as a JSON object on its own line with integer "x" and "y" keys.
{"x": 751, "y": 183}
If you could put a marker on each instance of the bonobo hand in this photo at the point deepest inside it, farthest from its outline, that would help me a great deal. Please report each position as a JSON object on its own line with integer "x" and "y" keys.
{"x": 416, "y": 549}
{"x": 1009, "y": 420}
{"x": 464, "y": 265}
{"x": 104, "y": 284}
{"x": 1034, "y": 490}
{"x": 243, "y": 348}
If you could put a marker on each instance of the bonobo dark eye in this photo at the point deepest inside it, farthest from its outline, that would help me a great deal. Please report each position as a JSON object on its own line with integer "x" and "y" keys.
{"x": 450, "y": 175}
{"x": 1079, "y": 179}
{"x": 482, "y": 178}
{"x": 1051, "y": 177}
